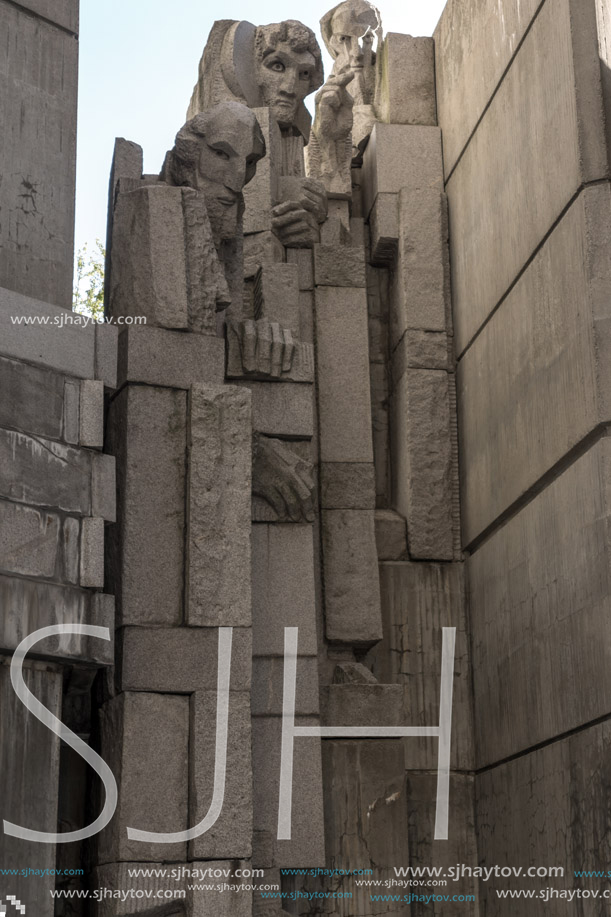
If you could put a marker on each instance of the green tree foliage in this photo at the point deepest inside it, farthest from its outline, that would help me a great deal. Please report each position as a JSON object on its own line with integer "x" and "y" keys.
{"x": 88, "y": 298}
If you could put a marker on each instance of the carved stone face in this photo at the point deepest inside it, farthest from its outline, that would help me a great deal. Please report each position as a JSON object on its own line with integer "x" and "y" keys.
{"x": 285, "y": 78}
{"x": 353, "y": 32}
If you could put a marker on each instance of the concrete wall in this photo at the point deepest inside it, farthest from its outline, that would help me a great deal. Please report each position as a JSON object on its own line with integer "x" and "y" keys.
{"x": 523, "y": 108}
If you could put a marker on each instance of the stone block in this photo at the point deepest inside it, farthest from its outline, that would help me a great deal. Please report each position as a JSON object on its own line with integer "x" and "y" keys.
{"x": 506, "y": 193}
{"x": 261, "y": 192}
{"x": 302, "y": 367}
{"x": 32, "y": 399}
{"x": 343, "y": 375}
{"x": 261, "y": 248}
{"x": 91, "y": 414}
{"x": 339, "y": 265}
{"x": 539, "y": 600}
{"x": 147, "y": 434}
{"x": 106, "y": 347}
{"x": 44, "y": 473}
{"x": 307, "y": 844}
{"x": 148, "y": 258}
{"x": 145, "y": 742}
{"x": 405, "y": 80}
{"x": 276, "y": 295}
{"x": 39, "y": 63}
{"x": 231, "y": 835}
{"x": 306, "y": 314}
{"x": 29, "y": 779}
{"x": 283, "y": 588}
{"x": 384, "y": 229}
{"x": 71, "y": 430}
{"x": 30, "y": 541}
{"x": 268, "y": 686}
{"x": 64, "y": 13}
{"x": 418, "y": 601}
{"x": 391, "y": 535}
{"x": 92, "y": 553}
{"x": 545, "y": 367}
{"x": 56, "y": 341}
{"x": 423, "y": 462}
{"x": 421, "y": 283}
{"x": 282, "y": 409}
{"x": 401, "y": 156}
{"x": 180, "y": 659}
{"x": 380, "y": 402}
{"x": 104, "y": 487}
{"x": 422, "y": 350}
{"x": 219, "y": 507}
{"x": 352, "y": 589}
{"x": 302, "y": 257}
{"x": 363, "y": 705}
{"x": 346, "y": 485}
{"x": 156, "y": 356}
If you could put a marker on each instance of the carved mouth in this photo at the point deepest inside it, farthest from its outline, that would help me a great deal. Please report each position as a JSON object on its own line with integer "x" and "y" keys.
{"x": 227, "y": 201}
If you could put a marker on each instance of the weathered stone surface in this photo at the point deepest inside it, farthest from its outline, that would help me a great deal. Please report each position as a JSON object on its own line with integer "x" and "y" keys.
{"x": 302, "y": 364}
{"x": 180, "y": 659}
{"x": 283, "y": 482}
{"x": 507, "y": 192}
{"x": 303, "y": 259}
{"x": 422, "y": 350}
{"x": 345, "y": 485}
{"x": 343, "y": 375}
{"x": 91, "y": 414}
{"x": 261, "y": 248}
{"x": 401, "y": 156}
{"x": 384, "y": 228}
{"x": 276, "y": 295}
{"x": 92, "y": 553}
{"x": 33, "y": 399}
{"x": 147, "y": 433}
{"x": 29, "y": 794}
{"x": 231, "y": 836}
{"x": 362, "y": 705}
{"x": 283, "y": 588}
{"x": 339, "y": 265}
{"x": 421, "y": 282}
{"x": 104, "y": 487}
{"x": 64, "y": 13}
{"x": 423, "y": 473}
{"x": 549, "y": 804}
{"x": 545, "y": 365}
{"x": 418, "y": 601}
{"x": 38, "y": 98}
{"x": 157, "y": 356}
{"x": 282, "y": 409}
{"x": 307, "y": 844}
{"x": 380, "y": 403}
{"x": 60, "y": 340}
{"x": 352, "y": 589}
{"x": 261, "y": 194}
{"x": 44, "y": 473}
{"x": 106, "y": 342}
{"x": 219, "y": 508}
{"x": 30, "y": 541}
{"x": 391, "y": 535}
{"x": 145, "y": 742}
{"x": 72, "y": 412}
{"x": 473, "y": 46}
{"x": 539, "y": 598}
{"x": 268, "y": 686}
{"x": 405, "y": 80}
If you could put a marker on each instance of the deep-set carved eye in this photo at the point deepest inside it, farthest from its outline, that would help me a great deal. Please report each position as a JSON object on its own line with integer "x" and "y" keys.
{"x": 277, "y": 66}
{"x": 222, "y": 154}
{"x": 305, "y": 75}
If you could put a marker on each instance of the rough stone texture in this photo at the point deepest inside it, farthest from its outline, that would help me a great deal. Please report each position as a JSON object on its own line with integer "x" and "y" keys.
{"x": 344, "y": 400}
{"x": 422, "y": 350}
{"x": 391, "y": 535}
{"x": 146, "y": 548}
{"x": 57, "y": 342}
{"x": 276, "y": 296}
{"x": 268, "y": 686}
{"x": 545, "y": 366}
{"x": 104, "y": 487}
{"x": 145, "y": 741}
{"x": 473, "y": 46}
{"x": 547, "y": 806}
{"x": 180, "y": 659}
{"x": 261, "y": 194}
{"x": 156, "y": 356}
{"x": 352, "y": 590}
{"x": 30, "y": 541}
{"x": 33, "y": 399}
{"x": 401, "y": 156}
{"x": 302, "y": 366}
{"x": 231, "y": 836}
{"x": 29, "y": 794}
{"x": 283, "y": 481}
{"x": 405, "y": 80}
{"x": 106, "y": 338}
{"x": 539, "y": 601}
{"x": 38, "y": 100}
{"x": 282, "y": 409}
{"x": 418, "y": 601}
{"x": 64, "y": 13}
{"x": 261, "y": 248}
{"x": 380, "y": 421}
{"x": 307, "y": 841}
{"x": 219, "y": 507}
{"x": 507, "y": 191}
{"x": 92, "y": 553}
{"x": 422, "y": 465}
{"x": 384, "y": 228}
{"x": 303, "y": 259}
{"x": 339, "y": 265}
{"x": 148, "y": 257}
{"x": 363, "y": 705}
{"x": 421, "y": 283}
{"x": 283, "y": 588}
{"x": 72, "y": 412}
{"x": 345, "y": 485}
{"x": 91, "y": 414}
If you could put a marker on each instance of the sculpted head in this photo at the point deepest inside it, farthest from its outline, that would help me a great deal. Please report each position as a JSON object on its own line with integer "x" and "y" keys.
{"x": 217, "y": 153}
{"x": 288, "y": 67}
{"x": 349, "y": 31}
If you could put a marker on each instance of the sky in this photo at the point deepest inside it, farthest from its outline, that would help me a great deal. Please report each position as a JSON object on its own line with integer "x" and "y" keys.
{"x": 138, "y": 66}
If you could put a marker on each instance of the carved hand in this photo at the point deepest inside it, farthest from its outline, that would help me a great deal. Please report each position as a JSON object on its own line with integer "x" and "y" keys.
{"x": 266, "y": 348}
{"x": 334, "y": 108}
{"x": 283, "y": 479}
{"x": 295, "y": 225}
